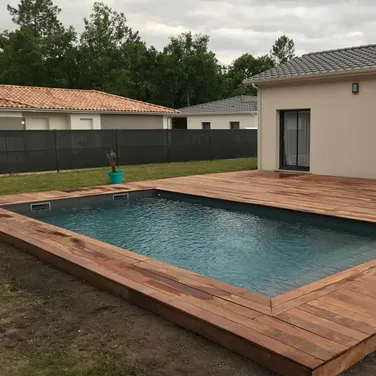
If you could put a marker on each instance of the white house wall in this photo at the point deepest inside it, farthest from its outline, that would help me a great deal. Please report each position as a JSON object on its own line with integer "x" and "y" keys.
{"x": 53, "y": 120}
{"x": 11, "y": 114}
{"x": 10, "y": 120}
{"x": 114, "y": 121}
{"x": 343, "y": 125}
{"x": 222, "y": 121}
{"x": 85, "y": 121}
{"x": 61, "y": 121}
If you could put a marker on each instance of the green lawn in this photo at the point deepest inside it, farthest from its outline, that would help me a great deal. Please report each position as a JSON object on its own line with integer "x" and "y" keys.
{"x": 50, "y": 181}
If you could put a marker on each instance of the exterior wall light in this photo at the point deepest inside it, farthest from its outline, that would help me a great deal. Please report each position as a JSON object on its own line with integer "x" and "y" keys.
{"x": 355, "y": 88}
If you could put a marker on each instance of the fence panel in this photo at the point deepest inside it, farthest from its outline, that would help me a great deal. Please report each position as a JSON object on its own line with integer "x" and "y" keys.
{"x": 189, "y": 145}
{"x": 32, "y": 151}
{"x": 142, "y": 146}
{"x": 84, "y": 149}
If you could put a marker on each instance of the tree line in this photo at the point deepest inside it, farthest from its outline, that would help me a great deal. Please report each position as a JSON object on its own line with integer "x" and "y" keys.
{"x": 109, "y": 56}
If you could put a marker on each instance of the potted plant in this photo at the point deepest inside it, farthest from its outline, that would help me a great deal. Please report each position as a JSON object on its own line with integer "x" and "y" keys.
{"x": 116, "y": 177}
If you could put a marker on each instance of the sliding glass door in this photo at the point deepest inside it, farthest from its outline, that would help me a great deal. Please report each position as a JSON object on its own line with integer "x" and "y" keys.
{"x": 295, "y": 139}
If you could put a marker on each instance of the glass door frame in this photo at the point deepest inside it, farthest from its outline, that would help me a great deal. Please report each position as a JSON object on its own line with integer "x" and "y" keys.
{"x": 295, "y": 167}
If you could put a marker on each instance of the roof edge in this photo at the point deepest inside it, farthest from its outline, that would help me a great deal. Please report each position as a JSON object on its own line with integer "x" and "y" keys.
{"x": 217, "y": 101}
{"x": 350, "y": 72}
{"x": 185, "y": 114}
{"x": 98, "y": 112}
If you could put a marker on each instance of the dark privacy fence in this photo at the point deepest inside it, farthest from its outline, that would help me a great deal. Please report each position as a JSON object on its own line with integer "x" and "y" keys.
{"x": 31, "y": 151}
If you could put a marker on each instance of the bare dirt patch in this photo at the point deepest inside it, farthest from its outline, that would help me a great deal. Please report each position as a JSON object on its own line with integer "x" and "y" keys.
{"x": 54, "y": 324}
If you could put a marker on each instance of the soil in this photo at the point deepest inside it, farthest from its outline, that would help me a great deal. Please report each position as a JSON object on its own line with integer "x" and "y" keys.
{"x": 54, "y": 324}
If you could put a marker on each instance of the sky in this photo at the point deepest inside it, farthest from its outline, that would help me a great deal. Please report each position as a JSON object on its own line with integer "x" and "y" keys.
{"x": 237, "y": 26}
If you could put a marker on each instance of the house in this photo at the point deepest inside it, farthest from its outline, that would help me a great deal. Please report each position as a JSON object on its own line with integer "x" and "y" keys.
{"x": 317, "y": 113}
{"x": 232, "y": 113}
{"x": 33, "y": 108}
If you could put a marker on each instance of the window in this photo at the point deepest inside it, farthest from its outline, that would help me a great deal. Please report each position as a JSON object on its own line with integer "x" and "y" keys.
{"x": 234, "y": 125}
{"x": 295, "y": 139}
{"x": 205, "y": 125}
{"x": 179, "y": 123}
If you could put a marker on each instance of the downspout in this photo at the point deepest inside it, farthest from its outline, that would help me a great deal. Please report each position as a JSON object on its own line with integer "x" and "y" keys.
{"x": 259, "y": 127}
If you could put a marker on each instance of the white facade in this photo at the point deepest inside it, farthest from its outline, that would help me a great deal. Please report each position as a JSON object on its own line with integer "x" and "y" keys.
{"x": 84, "y": 121}
{"x": 120, "y": 121}
{"x": 342, "y": 124}
{"x": 221, "y": 121}
{"x": 45, "y": 121}
{"x": 16, "y": 120}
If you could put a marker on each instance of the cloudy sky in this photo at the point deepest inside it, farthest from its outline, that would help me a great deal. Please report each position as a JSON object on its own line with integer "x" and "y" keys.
{"x": 238, "y": 26}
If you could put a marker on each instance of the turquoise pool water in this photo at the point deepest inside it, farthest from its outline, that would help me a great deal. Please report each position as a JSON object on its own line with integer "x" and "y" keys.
{"x": 267, "y": 251}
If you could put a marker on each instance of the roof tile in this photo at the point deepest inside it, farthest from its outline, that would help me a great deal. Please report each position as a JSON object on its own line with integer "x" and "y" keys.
{"x": 332, "y": 61}
{"x": 241, "y": 103}
{"x": 44, "y": 98}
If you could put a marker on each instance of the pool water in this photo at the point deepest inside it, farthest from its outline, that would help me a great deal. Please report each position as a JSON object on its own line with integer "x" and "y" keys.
{"x": 267, "y": 251}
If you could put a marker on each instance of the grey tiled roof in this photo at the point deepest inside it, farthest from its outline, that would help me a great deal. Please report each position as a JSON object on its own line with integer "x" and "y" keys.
{"x": 242, "y": 103}
{"x": 332, "y": 61}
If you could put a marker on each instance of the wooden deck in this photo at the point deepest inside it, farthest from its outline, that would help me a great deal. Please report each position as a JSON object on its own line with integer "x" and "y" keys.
{"x": 320, "y": 329}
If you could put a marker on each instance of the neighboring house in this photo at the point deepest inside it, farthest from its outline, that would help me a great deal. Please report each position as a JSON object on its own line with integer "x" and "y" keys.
{"x": 26, "y": 107}
{"x": 317, "y": 113}
{"x": 232, "y": 113}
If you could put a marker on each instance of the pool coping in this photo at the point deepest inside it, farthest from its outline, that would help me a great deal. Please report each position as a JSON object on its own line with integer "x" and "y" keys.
{"x": 101, "y": 264}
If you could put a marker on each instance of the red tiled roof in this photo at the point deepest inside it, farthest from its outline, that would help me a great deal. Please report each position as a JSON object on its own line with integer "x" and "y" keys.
{"x": 12, "y": 96}
{"x": 11, "y": 104}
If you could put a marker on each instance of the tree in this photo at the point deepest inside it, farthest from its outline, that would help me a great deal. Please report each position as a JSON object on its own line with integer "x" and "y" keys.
{"x": 21, "y": 58}
{"x": 189, "y": 70}
{"x": 60, "y": 57}
{"x": 40, "y": 16}
{"x": 283, "y": 49}
{"x": 42, "y": 41}
{"x": 244, "y": 67}
{"x": 103, "y": 65}
{"x": 106, "y": 28}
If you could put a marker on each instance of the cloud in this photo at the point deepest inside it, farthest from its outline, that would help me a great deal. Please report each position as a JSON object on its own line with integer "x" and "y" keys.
{"x": 238, "y": 26}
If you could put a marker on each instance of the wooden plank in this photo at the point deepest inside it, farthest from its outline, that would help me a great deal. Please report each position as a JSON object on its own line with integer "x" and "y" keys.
{"x": 306, "y": 341}
{"x": 322, "y": 327}
{"x": 346, "y": 331}
{"x": 365, "y": 287}
{"x": 346, "y": 360}
{"x": 355, "y": 301}
{"x": 71, "y": 239}
{"x": 355, "y": 315}
{"x": 342, "y": 301}
{"x": 324, "y": 283}
{"x": 159, "y": 265}
{"x": 341, "y": 316}
{"x": 179, "y": 290}
{"x": 304, "y": 298}
{"x": 211, "y": 286}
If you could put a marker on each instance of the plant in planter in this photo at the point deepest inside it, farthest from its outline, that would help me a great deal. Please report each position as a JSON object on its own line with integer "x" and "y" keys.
{"x": 116, "y": 177}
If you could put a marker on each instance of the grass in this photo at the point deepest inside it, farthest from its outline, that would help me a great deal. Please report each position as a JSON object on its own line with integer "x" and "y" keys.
{"x": 14, "y": 184}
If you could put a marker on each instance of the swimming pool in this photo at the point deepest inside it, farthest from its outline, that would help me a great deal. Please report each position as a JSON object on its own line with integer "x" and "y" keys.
{"x": 265, "y": 250}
